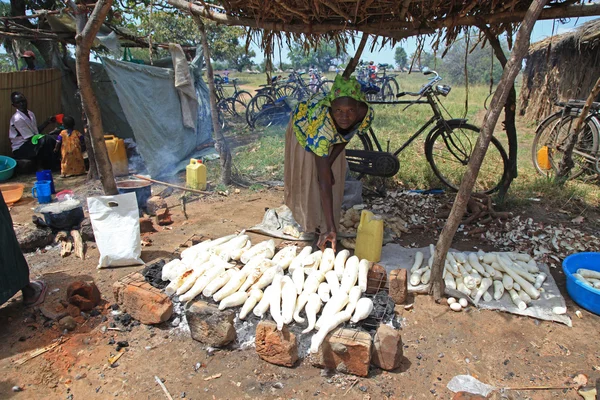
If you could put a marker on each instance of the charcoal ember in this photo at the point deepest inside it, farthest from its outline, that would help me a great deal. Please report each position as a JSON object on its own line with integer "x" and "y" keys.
{"x": 383, "y": 311}
{"x": 153, "y": 274}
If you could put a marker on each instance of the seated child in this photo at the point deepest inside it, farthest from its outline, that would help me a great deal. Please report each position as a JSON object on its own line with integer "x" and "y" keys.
{"x": 70, "y": 144}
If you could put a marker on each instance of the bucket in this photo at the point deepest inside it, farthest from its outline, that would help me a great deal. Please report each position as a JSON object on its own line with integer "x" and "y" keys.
{"x": 46, "y": 175}
{"x": 142, "y": 190}
{"x": 42, "y": 191}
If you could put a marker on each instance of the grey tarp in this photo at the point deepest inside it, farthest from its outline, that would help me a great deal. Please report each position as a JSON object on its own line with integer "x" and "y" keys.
{"x": 151, "y": 104}
{"x": 14, "y": 272}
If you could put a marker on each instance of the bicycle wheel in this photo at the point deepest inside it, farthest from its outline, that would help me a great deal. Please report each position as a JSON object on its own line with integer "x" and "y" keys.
{"x": 325, "y": 86}
{"x": 448, "y": 154}
{"x": 387, "y": 92}
{"x": 257, "y": 103}
{"x": 285, "y": 91}
{"x": 395, "y": 86}
{"x": 551, "y": 137}
{"x": 243, "y": 97}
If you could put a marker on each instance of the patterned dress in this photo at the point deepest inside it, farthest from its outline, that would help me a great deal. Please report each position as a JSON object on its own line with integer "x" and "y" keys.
{"x": 72, "y": 156}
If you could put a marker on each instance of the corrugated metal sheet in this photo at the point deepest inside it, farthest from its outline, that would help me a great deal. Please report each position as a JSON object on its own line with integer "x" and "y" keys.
{"x": 42, "y": 89}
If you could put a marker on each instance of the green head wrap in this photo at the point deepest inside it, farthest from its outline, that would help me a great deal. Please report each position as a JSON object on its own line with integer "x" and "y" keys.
{"x": 344, "y": 87}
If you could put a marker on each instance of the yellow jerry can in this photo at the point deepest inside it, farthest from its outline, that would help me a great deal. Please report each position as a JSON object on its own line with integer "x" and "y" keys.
{"x": 369, "y": 237}
{"x": 195, "y": 175}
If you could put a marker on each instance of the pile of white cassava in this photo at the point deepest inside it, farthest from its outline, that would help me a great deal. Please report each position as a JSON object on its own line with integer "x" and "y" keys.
{"x": 283, "y": 284}
{"x": 475, "y": 274}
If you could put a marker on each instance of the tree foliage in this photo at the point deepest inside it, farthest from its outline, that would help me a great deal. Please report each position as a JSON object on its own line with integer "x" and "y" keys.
{"x": 479, "y": 64}
{"x": 400, "y": 57}
{"x": 323, "y": 57}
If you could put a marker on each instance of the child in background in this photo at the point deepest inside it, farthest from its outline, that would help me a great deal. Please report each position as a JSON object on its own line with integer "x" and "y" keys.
{"x": 70, "y": 144}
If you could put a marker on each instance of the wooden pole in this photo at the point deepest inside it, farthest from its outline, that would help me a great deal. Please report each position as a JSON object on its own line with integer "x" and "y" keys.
{"x": 566, "y": 164}
{"x": 220, "y": 143}
{"x": 513, "y": 66}
{"x": 84, "y": 39}
{"x": 354, "y": 60}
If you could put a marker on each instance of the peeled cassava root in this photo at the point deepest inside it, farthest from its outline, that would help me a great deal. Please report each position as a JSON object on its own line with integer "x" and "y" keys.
{"x": 319, "y": 289}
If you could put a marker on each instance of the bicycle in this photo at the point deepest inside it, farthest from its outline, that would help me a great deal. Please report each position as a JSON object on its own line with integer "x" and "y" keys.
{"x": 389, "y": 86}
{"x": 266, "y": 96}
{"x": 235, "y": 104}
{"x": 448, "y": 145}
{"x": 552, "y": 135}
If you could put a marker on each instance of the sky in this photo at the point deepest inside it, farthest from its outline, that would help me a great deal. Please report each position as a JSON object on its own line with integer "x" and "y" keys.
{"x": 541, "y": 30}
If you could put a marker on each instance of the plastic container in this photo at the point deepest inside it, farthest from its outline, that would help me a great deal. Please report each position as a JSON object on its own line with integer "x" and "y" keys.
{"x": 142, "y": 190}
{"x": 42, "y": 191}
{"x": 587, "y": 297}
{"x": 7, "y": 168}
{"x": 542, "y": 158}
{"x": 12, "y": 192}
{"x": 46, "y": 175}
{"x": 117, "y": 155}
{"x": 195, "y": 175}
{"x": 369, "y": 237}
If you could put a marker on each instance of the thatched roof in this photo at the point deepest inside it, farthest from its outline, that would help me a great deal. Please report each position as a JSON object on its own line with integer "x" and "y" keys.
{"x": 588, "y": 34}
{"x": 339, "y": 20}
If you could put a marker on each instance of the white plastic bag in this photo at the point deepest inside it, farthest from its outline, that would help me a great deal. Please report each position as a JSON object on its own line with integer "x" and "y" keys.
{"x": 116, "y": 225}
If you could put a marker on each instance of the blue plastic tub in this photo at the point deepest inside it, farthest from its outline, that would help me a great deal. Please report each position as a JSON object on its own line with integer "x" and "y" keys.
{"x": 7, "y": 168}
{"x": 585, "y": 296}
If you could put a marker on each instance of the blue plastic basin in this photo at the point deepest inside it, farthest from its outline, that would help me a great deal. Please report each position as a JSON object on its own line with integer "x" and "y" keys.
{"x": 7, "y": 168}
{"x": 585, "y": 296}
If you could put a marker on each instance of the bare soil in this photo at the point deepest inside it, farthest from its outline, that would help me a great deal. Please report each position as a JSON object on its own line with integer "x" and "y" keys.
{"x": 498, "y": 348}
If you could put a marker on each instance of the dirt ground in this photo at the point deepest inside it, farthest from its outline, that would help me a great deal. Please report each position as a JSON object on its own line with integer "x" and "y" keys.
{"x": 498, "y": 348}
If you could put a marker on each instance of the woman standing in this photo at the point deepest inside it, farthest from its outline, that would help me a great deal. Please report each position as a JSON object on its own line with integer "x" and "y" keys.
{"x": 315, "y": 162}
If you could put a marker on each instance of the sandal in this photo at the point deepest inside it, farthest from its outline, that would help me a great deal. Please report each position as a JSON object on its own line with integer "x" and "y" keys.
{"x": 41, "y": 295}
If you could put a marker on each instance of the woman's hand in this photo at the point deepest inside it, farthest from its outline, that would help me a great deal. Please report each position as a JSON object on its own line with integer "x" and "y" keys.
{"x": 325, "y": 237}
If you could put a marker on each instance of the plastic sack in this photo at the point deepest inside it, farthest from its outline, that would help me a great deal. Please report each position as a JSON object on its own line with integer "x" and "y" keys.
{"x": 116, "y": 225}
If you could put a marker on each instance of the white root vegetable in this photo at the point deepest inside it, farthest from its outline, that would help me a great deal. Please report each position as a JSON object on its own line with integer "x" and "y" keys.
{"x": 275, "y": 302}
{"x": 267, "y": 277}
{"x": 451, "y": 300}
{"x": 450, "y": 282}
{"x": 527, "y": 267}
{"x": 311, "y": 284}
{"x": 218, "y": 282}
{"x": 324, "y": 292}
{"x": 237, "y": 254}
{"x": 415, "y": 277}
{"x": 189, "y": 281}
{"x": 231, "y": 286}
{"x": 253, "y": 277}
{"x": 490, "y": 258}
{"x": 559, "y": 310}
{"x": 216, "y": 260}
{"x": 452, "y": 263}
{"x": 487, "y": 297}
{"x": 313, "y": 306}
{"x": 327, "y": 261}
{"x": 588, "y": 273}
{"x": 426, "y": 277}
{"x": 288, "y": 299}
{"x": 418, "y": 261}
{"x": 225, "y": 250}
{"x": 350, "y": 274}
{"x": 285, "y": 256}
{"x": 233, "y": 300}
{"x": 334, "y": 305}
{"x": 490, "y": 270}
{"x": 524, "y": 275}
{"x": 264, "y": 303}
{"x": 363, "y": 271}
{"x": 582, "y": 279}
{"x": 298, "y": 279}
{"x": 332, "y": 323}
{"x": 460, "y": 286}
{"x": 498, "y": 290}
{"x": 474, "y": 262}
{"x": 470, "y": 282}
{"x": 525, "y": 285}
{"x": 297, "y": 261}
{"x": 300, "y": 303}
{"x": 533, "y": 265}
{"x": 206, "y": 245}
{"x": 169, "y": 269}
{"x": 332, "y": 280}
{"x": 253, "y": 298}
{"x": 476, "y": 276}
{"x": 485, "y": 285}
{"x": 480, "y": 254}
{"x": 516, "y": 286}
{"x": 258, "y": 261}
{"x": 463, "y": 302}
{"x": 507, "y": 282}
{"x": 525, "y": 297}
{"x": 312, "y": 262}
{"x": 522, "y": 257}
{"x": 172, "y": 287}
{"x": 363, "y": 309}
{"x": 202, "y": 282}
{"x": 517, "y": 300}
{"x": 353, "y": 298}
{"x": 452, "y": 270}
{"x": 340, "y": 262}
{"x": 539, "y": 280}
{"x": 455, "y": 307}
{"x": 460, "y": 257}
{"x": 268, "y": 246}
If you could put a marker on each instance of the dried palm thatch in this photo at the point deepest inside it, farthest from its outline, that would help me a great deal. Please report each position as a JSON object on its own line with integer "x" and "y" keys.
{"x": 559, "y": 68}
{"x": 338, "y": 21}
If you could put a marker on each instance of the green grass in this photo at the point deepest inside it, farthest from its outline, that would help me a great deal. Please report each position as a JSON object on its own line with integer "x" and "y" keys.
{"x": 262, "y": 159}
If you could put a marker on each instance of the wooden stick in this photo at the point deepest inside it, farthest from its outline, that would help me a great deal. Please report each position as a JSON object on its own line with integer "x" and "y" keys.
{"x": 40, "y": 351}
{"x": 491, "y": 118}
{"x": 540, "y": 388}
{"x": 79, "y": 245}
{"x": 164, "y": 388}
{"x": 171, "y": 185}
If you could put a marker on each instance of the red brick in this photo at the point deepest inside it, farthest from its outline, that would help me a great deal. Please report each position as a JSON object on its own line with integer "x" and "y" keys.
{"x": 163, "y": 217}
{"x": 345, "y": 350}
{"x": 399, "y": 285}
{"x": 83, "y": 295}
{"x": 146, "y": 226}
{"x": 276, "y": 347}
{"x": 142, "y": 301}
{"x": 376, "y": 279}
{"x": 387, "y": 348}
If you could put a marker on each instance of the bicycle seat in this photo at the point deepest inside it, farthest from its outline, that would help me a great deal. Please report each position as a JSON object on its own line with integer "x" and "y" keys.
{"x": 264, "y": 86}
{"x": 234, "y": 79}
